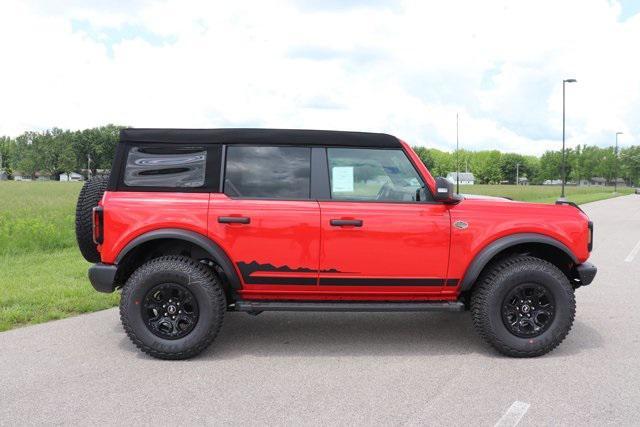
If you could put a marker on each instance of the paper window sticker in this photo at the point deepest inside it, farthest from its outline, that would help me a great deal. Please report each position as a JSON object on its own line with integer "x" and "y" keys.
{"x": 342, "y": 179}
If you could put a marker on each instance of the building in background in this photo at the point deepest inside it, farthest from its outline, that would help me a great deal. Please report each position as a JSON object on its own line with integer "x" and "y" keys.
{"x": 552, "y": 182}
{"x": 466, "y": 178}
{"x": 72, "y": 176}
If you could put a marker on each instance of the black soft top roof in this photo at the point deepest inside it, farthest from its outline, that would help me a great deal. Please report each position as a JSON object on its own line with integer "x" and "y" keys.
{"x": 260, "y": 136}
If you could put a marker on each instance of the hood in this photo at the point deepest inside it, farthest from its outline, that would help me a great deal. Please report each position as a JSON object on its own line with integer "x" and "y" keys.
{"x": 481, "y": 197}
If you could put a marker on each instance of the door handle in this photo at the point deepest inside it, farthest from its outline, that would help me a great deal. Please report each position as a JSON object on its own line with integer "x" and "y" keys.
{"x": 234, "y": 220}
{"x": 346, "y": 222}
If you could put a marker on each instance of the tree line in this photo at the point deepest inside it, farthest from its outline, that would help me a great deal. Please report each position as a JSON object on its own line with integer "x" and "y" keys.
{"x": 582, "y": 163}
{"x": 57, "y": 151}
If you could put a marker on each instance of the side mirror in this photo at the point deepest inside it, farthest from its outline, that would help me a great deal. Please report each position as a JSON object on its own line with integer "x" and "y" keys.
{"x": 444, "y": 191}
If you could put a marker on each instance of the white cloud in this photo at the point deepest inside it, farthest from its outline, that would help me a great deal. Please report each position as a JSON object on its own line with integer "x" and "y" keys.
{"x": 404, "y": 68}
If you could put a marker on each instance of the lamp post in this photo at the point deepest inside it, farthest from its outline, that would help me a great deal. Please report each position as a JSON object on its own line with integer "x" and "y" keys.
{"x": 457, "y": 157}
{"x": 564, "y": 175}
{"x": 615, "y": 180}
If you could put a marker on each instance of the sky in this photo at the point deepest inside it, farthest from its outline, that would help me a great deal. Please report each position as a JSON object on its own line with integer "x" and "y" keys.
{"x": 401, "y": 67}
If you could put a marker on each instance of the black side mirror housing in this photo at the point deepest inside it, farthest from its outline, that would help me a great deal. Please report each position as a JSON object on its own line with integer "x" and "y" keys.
{"x": 444, "y": 191}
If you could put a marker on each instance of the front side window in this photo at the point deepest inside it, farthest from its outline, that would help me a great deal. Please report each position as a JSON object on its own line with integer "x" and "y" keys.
{"x": 170, "y": 167}
{"x": 268, "y": 172}
{"x": 373, "y": 175}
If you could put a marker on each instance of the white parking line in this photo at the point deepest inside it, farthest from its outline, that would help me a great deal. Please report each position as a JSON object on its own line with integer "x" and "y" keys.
{"x": 514, "y": 414}
{"x": 633, "y": 253}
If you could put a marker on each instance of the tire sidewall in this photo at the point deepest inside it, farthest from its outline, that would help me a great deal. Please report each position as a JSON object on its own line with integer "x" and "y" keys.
{"x": 144, "y": 280}
{"x": 561, "y": 321}
{"x": 89, "y": 197}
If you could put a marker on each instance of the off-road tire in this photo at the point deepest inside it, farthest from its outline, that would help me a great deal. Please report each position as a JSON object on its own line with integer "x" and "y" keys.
{"x": 199, "y": 280}
{"x": 488, "y": 297}
{"x": 88, "y": 199}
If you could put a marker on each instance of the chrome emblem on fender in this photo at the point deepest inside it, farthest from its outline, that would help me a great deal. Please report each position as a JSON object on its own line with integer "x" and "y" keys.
{"x": 460, "y": 224}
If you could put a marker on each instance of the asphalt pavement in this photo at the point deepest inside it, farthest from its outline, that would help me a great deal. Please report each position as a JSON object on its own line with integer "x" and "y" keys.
{"x": 353, "y": 368}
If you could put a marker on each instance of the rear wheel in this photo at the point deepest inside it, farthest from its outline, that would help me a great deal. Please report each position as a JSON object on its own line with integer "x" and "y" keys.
{"x": 88, "y": 199}
{"x": 172, "y": 307}
{"x": 523, "y": 306}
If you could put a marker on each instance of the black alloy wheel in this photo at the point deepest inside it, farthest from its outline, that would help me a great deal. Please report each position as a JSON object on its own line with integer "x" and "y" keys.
{"x": 528, "y": 310}
{"x": 170, "y": 311}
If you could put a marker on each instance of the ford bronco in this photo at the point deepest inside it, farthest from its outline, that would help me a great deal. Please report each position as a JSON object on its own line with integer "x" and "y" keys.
{"x": 192, "y": 223}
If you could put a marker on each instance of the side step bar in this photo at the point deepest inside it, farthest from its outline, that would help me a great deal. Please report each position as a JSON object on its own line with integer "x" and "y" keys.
{"x": 260, "y": 306}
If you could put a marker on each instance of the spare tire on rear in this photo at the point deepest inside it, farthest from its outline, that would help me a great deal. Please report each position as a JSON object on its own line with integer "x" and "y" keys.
{"x": 88, "y": 199}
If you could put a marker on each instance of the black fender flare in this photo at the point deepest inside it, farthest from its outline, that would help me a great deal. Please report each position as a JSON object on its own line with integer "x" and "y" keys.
{"x": 218, "y": 255}
{"x": 486, "y": 255}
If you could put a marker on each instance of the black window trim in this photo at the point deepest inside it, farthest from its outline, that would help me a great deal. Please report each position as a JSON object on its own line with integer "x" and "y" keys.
{"x": 210, "y": 177}
{"x": 223, "y": 176}
{"x": 320, "y": 187}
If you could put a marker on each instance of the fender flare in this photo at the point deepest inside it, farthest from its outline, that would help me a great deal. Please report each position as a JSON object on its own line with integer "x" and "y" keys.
{"x": 483, "y": 257}
{"x": 215, "y": 251}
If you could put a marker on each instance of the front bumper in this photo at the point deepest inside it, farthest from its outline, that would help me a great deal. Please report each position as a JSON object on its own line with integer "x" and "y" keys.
{"x": 585, "y": 272}
{"x": 102, "y": 276}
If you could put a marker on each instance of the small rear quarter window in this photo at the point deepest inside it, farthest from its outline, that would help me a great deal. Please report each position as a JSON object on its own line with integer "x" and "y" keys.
{"x": 166, "y": 167}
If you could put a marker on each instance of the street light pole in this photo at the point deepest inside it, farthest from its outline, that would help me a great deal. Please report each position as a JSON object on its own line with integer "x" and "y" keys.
{"x": 517, "y": 173}
{"x": 564, "y": 173}
{"x": 615, "y": 180}
{"x": 457, "y": 158}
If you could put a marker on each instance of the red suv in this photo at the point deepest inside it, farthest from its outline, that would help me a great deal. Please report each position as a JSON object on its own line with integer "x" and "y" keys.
{"x": 193, "y": 223}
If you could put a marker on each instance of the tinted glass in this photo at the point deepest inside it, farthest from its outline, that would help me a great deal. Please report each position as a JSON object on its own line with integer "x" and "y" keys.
{"x": 174, "y": 167}
{"x": 268, "y": 172}
{"x": 373, "y": 175}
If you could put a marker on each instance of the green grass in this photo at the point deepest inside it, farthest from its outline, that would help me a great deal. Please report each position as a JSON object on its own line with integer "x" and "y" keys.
{"x": 42, "y": 274}
{"x": 41, "y": 286}
{"x": 545, "y": 194}
{"x": 44, "y": 277}
{"x": 37, "y": 216}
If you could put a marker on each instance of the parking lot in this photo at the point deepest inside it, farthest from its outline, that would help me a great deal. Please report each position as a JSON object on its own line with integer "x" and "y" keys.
{"x": 354, "y": 368}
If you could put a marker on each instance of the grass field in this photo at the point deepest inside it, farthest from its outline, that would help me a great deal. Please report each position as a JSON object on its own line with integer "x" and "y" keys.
{"x": 42, "y": 274}
{"x": 44, "y": 277}
{"x": 545, "y": 193}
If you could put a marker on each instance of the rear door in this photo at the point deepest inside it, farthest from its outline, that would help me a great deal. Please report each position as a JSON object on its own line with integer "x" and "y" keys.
{"x": 382, "y": 235}
{"x": 266, "y": 221}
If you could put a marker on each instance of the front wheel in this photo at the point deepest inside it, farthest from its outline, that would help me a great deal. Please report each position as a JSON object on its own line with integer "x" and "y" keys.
{"x": 523, "y": 306}
{"x": 172, "y": 307}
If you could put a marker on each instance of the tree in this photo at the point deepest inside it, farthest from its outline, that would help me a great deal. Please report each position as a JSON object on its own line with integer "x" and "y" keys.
{"x": 7, "y": 153}
{"x": 550, "y": 165}
{"x": 630, "y": 164}
{"x": 511, "y": 164}
{"x": 532, "y": 169}
{"x": 27, "y": 155}
{"x": 485, "y": 166}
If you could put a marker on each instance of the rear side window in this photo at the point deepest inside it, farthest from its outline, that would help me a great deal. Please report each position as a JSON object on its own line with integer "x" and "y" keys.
{"x": 268, "y": 172}
{"x": 167, "y": 167}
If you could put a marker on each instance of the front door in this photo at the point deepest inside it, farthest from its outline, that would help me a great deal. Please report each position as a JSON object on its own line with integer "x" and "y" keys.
{"x": 266, "y": 222}
{"x": 382, "y": 239}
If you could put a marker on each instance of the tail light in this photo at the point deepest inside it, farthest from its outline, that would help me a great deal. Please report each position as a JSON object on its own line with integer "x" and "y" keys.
{"x": 590, "y": 241}
{"x": 98, "y": 221}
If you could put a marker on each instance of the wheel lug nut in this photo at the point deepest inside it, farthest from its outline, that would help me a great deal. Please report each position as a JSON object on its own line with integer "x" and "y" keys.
{"x": 174, "y": 317}
{"x": 179, "y": 311}
{"x": 165, "y": 314}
